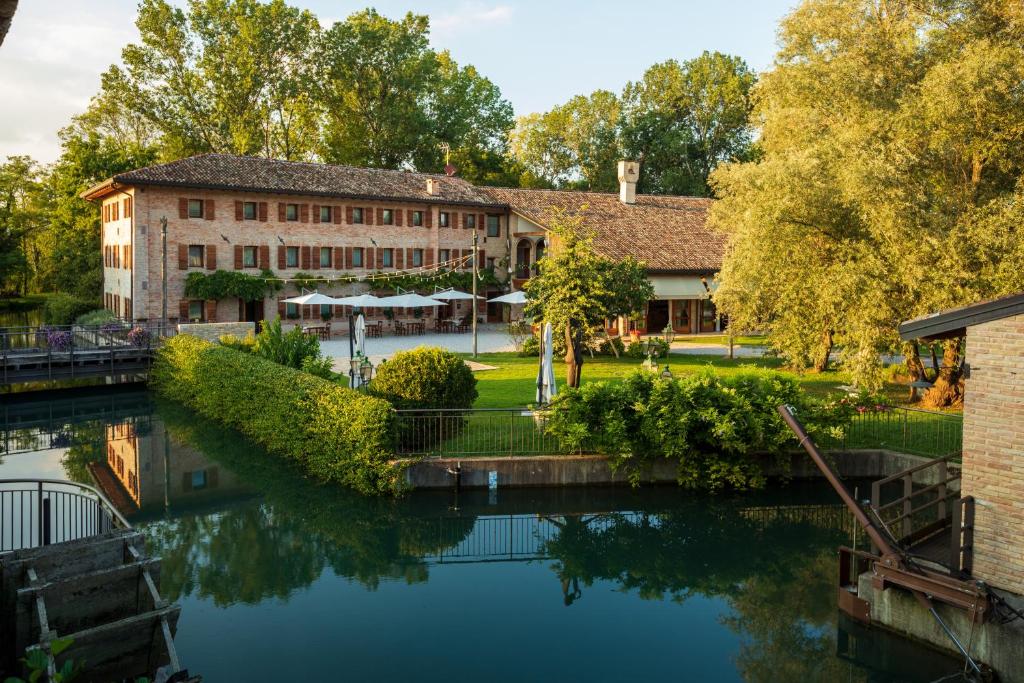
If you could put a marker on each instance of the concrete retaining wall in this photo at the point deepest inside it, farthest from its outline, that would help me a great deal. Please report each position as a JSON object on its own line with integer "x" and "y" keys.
{"x": 589, "y": 470}
{"x": 214, "y": 331}
{"x": 1001, "y": 646}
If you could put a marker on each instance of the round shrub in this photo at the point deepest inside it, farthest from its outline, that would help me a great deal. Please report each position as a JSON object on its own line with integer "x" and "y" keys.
{"x": 425, "y": 378}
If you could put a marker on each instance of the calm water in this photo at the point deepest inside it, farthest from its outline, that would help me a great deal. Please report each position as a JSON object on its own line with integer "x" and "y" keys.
{"x": 280, "y": 579}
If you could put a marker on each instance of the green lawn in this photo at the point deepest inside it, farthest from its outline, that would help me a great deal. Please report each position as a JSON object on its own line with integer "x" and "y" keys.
{"x": 513, "y": 383}
{"x": 741, "y": 340}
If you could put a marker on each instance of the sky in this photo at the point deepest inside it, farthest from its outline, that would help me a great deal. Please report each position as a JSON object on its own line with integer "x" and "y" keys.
{"x": 539, "y": 52}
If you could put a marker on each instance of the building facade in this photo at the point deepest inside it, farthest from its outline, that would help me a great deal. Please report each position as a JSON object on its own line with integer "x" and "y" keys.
{"x": 224, "y": 212}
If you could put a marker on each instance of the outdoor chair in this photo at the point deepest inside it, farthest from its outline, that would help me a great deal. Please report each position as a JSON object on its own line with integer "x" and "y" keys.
{"x": 465, "y": 323}
{"x": 400, "y": 328}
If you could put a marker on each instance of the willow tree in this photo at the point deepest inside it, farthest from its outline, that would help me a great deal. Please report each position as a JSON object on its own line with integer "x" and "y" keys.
{"x": 576, "y": 289}
{"x": 889, "y": 181}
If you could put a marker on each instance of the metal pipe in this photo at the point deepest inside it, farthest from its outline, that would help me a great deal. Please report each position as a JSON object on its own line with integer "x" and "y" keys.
{"x": 872, "y": 531}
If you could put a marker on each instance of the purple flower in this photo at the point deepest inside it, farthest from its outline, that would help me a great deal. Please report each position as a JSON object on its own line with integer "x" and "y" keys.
{"x": 59, "y": 340}
{"x": 139, "y": 336}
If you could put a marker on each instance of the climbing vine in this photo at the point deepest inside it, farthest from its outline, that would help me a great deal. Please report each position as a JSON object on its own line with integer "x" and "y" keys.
{"x": 223, "y": 284}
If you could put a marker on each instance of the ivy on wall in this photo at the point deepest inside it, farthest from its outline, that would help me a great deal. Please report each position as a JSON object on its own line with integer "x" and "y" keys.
{"x": 224, "y": 284}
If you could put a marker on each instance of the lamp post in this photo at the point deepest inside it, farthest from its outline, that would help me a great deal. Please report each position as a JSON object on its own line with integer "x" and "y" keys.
{"x": 476, "y": 257}
{"x": 352, "y": 346}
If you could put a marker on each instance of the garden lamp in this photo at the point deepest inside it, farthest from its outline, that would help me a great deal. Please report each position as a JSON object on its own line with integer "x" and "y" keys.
{"x": 666, "y": 373}
{"x": 366, "y": 370}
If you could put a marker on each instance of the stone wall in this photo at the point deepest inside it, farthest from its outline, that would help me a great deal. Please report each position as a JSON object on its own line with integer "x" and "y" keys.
{"x": 214, "y": 331}
{"x": 993, "y": 459}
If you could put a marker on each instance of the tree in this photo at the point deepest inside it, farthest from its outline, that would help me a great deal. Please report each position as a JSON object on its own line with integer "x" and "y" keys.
{"x": 576, "y": 289}
{"x": 20, "y": 217}
{"x": 682, "y": 120}
{"x": 889, "y": 185}
{"x": 573, "y": 145}
{"x": 227, "y": 76}
{"x": 390, "y": 101}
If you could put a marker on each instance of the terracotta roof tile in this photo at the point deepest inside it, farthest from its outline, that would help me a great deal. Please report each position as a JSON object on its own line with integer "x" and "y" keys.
{"x": 258, "y": 174}
{"x": 667, "y": 233}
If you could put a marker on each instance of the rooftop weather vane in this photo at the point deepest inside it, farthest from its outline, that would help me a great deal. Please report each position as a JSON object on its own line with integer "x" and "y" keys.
{"x": 449, "y": 170}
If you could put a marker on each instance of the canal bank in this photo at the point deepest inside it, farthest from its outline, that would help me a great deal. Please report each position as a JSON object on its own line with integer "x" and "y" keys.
{"x": 596, "y": 470}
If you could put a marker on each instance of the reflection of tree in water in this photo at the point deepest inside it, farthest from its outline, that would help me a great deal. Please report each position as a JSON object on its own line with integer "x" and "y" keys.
{"x": 88, "y": 445}
{"x": 777, "y": 575}
{"x": 252, "y": 550}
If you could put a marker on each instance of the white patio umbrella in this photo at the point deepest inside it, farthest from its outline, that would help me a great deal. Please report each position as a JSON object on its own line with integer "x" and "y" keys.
{"x": 312, "y": 299}
{"x": 517, "y": 297}
{"x": 359, "y": 343}
{"x": 546, "y": 387}
{"x": 452, "y": 295}
{"x": 358, "y": 301}
{"x": 408, "y": 300}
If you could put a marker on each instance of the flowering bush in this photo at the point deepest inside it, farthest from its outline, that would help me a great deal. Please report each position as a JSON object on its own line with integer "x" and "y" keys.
{"x": 721, "y": 431}
{"x": 138, "y": 336}
{"x": 58, "y": 340}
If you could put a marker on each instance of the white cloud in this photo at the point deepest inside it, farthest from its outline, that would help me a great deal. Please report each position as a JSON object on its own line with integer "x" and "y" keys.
{"x": 469, "y": 16}
{"x": 50, "y": 65}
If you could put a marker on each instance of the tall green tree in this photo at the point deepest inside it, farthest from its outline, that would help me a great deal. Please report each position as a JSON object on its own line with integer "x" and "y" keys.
{"x": 223, "y": 76}
{"x": 683, "y": 119}
{"x": 574, "y": 145}
{"x": 890, "y": 182}
{"x": 20, "y": 219}
{"x": 576, "y": 289}
{"x": 390, "y": 100}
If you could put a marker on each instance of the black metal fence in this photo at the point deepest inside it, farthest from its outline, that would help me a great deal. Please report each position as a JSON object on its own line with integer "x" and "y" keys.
{"x": 521, "y": 432}
{"x": 480, "y": 432}
{"x": 36, "y": 512}
{"x": 906, "y": 430}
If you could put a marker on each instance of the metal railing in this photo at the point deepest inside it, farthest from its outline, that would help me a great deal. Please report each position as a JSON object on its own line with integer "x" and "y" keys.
{"x": 38, "y": 512}
{"x": 906, "y": 430}
{"x": 70, "y": 351}
{"x": 472, "y": 432}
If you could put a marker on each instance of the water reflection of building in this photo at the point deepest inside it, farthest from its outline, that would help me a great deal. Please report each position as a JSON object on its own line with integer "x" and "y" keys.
{"x": 146, "y": 470}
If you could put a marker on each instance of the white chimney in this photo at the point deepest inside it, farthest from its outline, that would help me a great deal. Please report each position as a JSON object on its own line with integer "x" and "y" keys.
{"x": 433, "y": 187}
{"x": 629, "y": 174}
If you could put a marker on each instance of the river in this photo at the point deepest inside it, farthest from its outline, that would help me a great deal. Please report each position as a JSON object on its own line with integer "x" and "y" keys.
{"x": 282, "y": 579}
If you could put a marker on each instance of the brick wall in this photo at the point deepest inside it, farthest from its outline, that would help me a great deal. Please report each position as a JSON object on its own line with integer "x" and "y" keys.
{"x": 993, "y": 460}
{"x": 225, "y": 232}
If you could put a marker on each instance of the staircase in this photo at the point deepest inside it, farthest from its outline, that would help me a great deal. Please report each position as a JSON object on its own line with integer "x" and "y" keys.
{"x": 100, "y": 592}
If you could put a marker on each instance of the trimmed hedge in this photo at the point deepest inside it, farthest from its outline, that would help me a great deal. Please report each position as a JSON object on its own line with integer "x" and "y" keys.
{"x": 62, "y": 309}
{"x": 336, "y": 434}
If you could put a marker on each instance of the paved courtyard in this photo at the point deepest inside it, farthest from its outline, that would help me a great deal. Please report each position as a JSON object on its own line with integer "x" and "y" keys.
{"x": 490, "y": 339}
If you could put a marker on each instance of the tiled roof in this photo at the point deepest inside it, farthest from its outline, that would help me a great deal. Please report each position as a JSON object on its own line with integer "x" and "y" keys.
{"x": 258, "y": 174}
{"x": 669, "y": 234}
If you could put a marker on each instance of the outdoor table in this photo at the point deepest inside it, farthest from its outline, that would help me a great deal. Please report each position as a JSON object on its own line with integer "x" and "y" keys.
{"x": 419, "y": 327}
{"x": 374, "y": 329}
{"x": 319, "y": 330}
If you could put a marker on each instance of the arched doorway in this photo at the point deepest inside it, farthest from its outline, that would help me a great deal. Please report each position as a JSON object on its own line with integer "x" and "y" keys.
{"x": 539, "y": 250}
{"x": 524, "y": 249}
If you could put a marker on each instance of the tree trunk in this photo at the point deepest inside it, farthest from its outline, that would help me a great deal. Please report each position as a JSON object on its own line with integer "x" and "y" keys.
{"x": 573, "y": 357}
{"x": 948, "y": 390}
{"x": 824, "y": 351}
{"x": 914, "y": 367}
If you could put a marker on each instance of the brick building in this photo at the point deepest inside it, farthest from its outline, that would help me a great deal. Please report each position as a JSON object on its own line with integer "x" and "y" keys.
{"x": 252, "y": 214}
{"x": 993, "y": 443}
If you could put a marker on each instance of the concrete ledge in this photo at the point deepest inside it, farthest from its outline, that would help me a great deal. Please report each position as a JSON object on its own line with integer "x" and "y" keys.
{"x": 1001, "y": 646}
{"x": 212, "y": 332}
{"x": 595, "y": 470}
